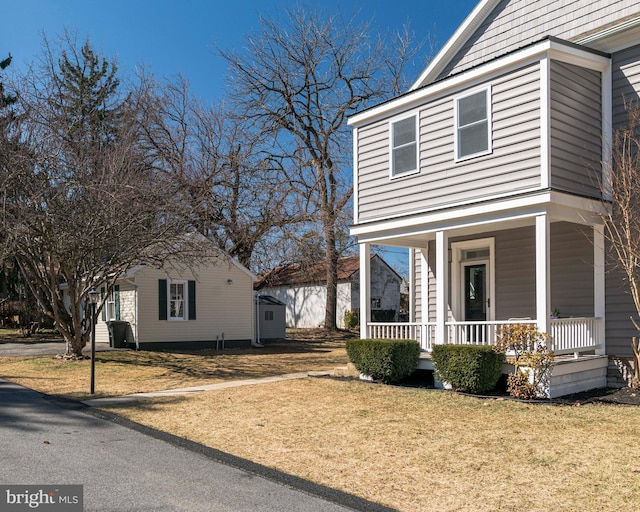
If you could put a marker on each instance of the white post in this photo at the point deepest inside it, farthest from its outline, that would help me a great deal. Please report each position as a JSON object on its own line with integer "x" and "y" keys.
{"x": 442, "y": 285}
{"x": 412, "y": 285}
{"x": 424, "y": 285}
{"x": 365, "y": 289}
{"x": 543, "y": 281}
{"x": 599, "y": 286}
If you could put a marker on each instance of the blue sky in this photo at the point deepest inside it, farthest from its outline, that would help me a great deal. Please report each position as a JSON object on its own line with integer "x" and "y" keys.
{"x": 171, "y": 37}
{"x": 177, "y": 36}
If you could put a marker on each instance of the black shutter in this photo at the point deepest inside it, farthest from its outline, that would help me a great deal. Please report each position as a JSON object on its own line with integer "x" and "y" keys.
{"x": 162, "y": 299}
{"x": 192, "y": 300}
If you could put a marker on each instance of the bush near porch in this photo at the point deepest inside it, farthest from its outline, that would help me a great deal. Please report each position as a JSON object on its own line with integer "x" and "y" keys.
{"x": 382, "y": 359}
{"x": 469, "y": 368}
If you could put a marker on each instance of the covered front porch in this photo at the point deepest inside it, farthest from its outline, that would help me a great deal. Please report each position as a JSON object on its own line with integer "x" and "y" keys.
{"x": 478, "y": 270}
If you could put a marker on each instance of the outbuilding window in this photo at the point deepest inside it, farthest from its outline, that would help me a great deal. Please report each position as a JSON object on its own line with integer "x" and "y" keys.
{"x": 176, "y": 299}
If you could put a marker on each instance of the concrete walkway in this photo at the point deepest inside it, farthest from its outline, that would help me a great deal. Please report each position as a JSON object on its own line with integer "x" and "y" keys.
{"x": 207, "y": 387}
{"x": 124, "y": 466}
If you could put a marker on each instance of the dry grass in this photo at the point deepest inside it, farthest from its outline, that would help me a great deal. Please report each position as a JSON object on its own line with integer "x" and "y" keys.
{"x": 127, "y": 372}
{"x": 419, "y": 450}
{"x": 409, "y": 449}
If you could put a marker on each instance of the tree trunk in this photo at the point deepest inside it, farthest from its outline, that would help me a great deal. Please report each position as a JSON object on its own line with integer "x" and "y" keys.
{"x": 331, "y": 255}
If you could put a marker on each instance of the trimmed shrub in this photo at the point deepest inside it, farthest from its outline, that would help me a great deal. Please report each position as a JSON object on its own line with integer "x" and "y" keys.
{"x": 468, "y": 368}
{"x": 386, "y": 360}
{"x": 351, "y": 319}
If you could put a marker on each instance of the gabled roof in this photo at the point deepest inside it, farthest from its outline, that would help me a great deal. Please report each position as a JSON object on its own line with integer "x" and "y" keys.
{"x": 455, "y": 42}
{"x": 297, "y": 273}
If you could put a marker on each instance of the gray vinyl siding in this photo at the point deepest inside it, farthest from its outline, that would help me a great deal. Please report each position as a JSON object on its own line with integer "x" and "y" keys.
{"x": 576, "y": 128}
{"x": 515, "y": 293}
{"x": 517, "y": 23}
{"x": 625, "y": 82}
{"x": 514, "y": 164}
{"x": 571, "y": 271}
{"x": 619, "y": 304}
{"x": 619, "y": 310}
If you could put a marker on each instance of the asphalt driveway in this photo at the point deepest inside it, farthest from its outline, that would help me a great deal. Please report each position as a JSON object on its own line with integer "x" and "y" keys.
{"x": 124, "y": 466}
{"x": 42, "y": 348}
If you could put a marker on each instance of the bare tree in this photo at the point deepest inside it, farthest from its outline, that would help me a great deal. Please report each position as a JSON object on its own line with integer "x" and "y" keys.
{"x": 621, "y": 187}
{"x": 212, "y": 156}
{"x": 298, "y": 80}
{"x": 82, "y": 203}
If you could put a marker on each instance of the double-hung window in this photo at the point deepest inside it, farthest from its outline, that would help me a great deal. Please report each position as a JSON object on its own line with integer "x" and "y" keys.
{"x": 177, "y": 300}
{"x": 110, "y": 306}
{"x": 473, "y": 124}
{"x": 404, "y": 146}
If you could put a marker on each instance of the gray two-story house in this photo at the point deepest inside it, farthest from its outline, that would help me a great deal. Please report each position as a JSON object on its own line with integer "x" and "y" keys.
{"x": 488, "y": 169}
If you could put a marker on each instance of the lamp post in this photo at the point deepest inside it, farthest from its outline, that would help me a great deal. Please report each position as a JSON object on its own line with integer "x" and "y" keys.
{"x": 93, "y": 297}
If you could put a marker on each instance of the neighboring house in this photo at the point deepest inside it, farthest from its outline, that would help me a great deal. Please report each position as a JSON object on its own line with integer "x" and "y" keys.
{"x": 487, "y": 170}
{"x": 303, "y": 288}
{"x": 177, "y": 304}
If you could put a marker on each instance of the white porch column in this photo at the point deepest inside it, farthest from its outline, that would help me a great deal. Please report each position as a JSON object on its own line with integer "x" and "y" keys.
{"x": 442, "y": 285}
{"x": 365, "y": 289}
{"x": 424, "y": 285}
{"x": 599, "y": 285}
{"x": 543, "y": 280}
{"x": 412, "y": 285}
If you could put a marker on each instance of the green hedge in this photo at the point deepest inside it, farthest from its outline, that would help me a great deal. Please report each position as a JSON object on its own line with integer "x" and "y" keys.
{"x": 386, "y": 360}
{"x": 469, "y": 368}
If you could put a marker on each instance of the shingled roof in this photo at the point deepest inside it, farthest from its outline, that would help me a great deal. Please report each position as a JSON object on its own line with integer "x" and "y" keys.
{"x": 313, "y": 273}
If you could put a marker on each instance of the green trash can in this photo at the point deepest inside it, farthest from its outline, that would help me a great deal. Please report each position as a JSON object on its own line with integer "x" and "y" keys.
{"x": 117, "y": 333}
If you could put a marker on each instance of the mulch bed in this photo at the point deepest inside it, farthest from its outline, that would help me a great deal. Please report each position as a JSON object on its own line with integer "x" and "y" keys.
{"x": 621, "y": 396}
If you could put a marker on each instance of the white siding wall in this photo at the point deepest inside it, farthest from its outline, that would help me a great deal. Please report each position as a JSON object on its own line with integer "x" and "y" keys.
{"x": 516, "y": 23}
{"x": 306, "y": 304}
{"x": 127, "y": 312}
{"x": 513, "y": 166}
{"x": 221, "y": 307}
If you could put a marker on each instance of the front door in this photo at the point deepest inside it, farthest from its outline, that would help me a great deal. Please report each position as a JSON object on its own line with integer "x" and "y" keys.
{"x": 475, "y": 292}
{"x": 475, "y": 301}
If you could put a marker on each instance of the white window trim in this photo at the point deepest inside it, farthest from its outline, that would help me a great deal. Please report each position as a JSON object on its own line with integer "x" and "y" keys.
{"x": 457, "y": 269}
{"x": 185, "y": 299}
{"x": 392, "y": 174}
{"x": 456, "y": 99}
{"x": 110, "y": 306}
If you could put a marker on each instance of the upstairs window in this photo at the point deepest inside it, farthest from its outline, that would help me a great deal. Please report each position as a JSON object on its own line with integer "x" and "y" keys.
{"x": 473, "y": 124}
{"x": 404, "y": 146}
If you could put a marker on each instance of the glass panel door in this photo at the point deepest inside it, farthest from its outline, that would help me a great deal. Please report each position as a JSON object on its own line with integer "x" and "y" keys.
{"x": 475, "y": 292}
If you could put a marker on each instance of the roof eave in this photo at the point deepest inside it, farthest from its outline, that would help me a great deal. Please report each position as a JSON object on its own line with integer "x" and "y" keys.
{"x": 455, "y": 42}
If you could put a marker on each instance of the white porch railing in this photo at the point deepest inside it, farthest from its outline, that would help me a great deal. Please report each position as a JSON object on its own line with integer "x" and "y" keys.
{"x": 423, "y": 333}
{"x": 575, "y": 335}
{"x": 568, "y": 335}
